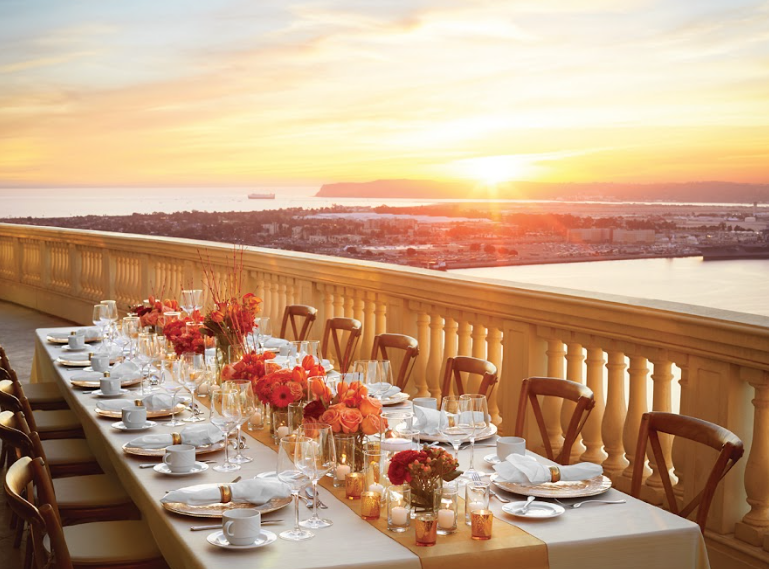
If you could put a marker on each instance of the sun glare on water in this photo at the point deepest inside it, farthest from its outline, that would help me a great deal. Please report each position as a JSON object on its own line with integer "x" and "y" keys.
{"x": 494, "y": 170}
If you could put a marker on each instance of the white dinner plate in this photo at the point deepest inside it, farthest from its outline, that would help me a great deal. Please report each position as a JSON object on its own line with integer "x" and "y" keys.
{"x": 537, "y": 510}
{"x": 491, "y": 459}
{"x": 163, "y": 468}
{"x": 396, "y": 399}
{"x": 120, "y": 426}
{"x": 560, "y": 489}
{"x": 265, "y": 537}
{"x": 98, "y": 393}
{"x": 486, "y": 433}
{"x": 63, "y": 338}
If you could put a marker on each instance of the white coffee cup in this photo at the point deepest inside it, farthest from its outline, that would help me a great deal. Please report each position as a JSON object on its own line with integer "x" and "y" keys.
{"x": 510, "y": 445}
{"x": 109, "y": 385}
{"x": 179, "y": 458}
{"x": 242, "y": 526}
{"x": 100, "y": 362}
{"x": 76, "y": 341}
{"x": 426, "y": 402}
{"x": 135, "y": 417}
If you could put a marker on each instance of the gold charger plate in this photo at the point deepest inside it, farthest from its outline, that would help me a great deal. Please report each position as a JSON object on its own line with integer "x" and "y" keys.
{"x": 110, "y": 414}
{"x": 562, "y": 489}
{"x": 158, "y": 452}
{"x": 62, "y": 360}
{"x": 396, "y": 399}
{"x": 63, "y": 340}
{"x": 94, "y": 383}
{"x": 216, "y": 510}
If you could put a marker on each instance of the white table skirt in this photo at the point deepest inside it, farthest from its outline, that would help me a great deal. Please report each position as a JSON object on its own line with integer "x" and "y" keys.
{"x": 632, "y": 535}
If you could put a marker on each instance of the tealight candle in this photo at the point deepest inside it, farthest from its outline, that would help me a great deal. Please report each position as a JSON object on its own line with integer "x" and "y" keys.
{"x": 370, "y": 506}
{"x": 475, "y": 506}
{"x": 398, "y": 515}
{"x": 446, "y": 518}
{"x": 282, "y": 431}
{"x": 342, "y": 471}
{"x": 353, "y": 485}
{"x": 396, "y": 444}
{"x": 481, "y": 524}
{"x": 376, "y": 488}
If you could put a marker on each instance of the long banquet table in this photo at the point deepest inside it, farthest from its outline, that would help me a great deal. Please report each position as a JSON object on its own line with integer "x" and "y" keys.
{"x": 631, "y": 535}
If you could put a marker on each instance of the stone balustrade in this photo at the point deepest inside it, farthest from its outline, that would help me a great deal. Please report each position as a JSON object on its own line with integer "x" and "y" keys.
{"x": 635, "y": 354}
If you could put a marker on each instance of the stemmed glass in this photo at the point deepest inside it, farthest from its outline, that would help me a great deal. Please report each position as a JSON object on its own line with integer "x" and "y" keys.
{"x": 263, "y": 330}
{"x": 111, "y": 314}
{"x": 101, "y": 317}
{"x": 225, "y": 414}
{"x": 245, "y": 394}
{"x": 318, "y": 458}
{"x": 173, "y": 385}
{"x": 146, "y": 352}
{"x": 130, "y": 330}
{"x": 451, "y": 425}
{"x": 475, "y": 418}
{"x": 193, "y": 370}
{"x": 191, "y": 300}
{"x": 370, "y": 373}
{"x": 290, "y": 449}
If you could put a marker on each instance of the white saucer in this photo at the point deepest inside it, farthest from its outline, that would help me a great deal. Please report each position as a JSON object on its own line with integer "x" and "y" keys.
{"x": 98, "y": 393}
{"x": 121, "y": 427}
{"x": 491, "y": 459}
{"x": 163, "y": 468}
{"x": 66, "y": 348}
{"x": 89, "y": 368}
{"x": 217, "y": 538}
{"x": 537, "y": 510}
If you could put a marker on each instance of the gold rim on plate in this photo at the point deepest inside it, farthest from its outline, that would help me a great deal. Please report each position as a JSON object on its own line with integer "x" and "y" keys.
{"x": 157, "y": 452}
{"x": 73, "y": 363}
{"x": 486, "y": 433}
{"x": 94, "y": 383}
{"x": 118, "y": 414}
{"x": 64, "y": 340}
{"x": 216, "y": 510}
{"x": 561, "y": 489}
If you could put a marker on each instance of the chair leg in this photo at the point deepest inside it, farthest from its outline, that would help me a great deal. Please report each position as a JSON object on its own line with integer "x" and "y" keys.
{"x": 19, "y": 533}
{"x": 29, "y": 553}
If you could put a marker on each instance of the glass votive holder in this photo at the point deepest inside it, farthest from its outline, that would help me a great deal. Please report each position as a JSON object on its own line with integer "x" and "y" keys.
{"x": 295, "y": 416}
{"x": 476, "y": 498}
{"x": 370, "y": 505}
{"x": 345, "y": 457}
{"x": 372, "y": 468}
{"x": 448, "y": 510}
{"x": 481, "y": 524}
{"x": 398, "y": 508}
{"x": 257, "y": 419}
{"x": 353, "y": 485}
{"x": 397, "y": 420}
{"x": 426, "y": 529}
{"x": 280, "y": 426}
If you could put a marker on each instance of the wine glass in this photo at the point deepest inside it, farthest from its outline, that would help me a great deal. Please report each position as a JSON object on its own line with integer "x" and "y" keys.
{"x": 245, "y": 394}
{"x": 476, "y": 419}
{"x": 451, "y": 425}
{"x": 130, "y": 329}
{"x": 263, "y": 330}
{"x": 100, "y": 317}
{"x": 193, "y": 369}
{"x": 369, "y": 372}
{"x": 146, "y": 351}
{"x": 317, "y": 458}
{"x": 289, "y": 449}
{"x": 173, "y": 384}
{"x": 191, "y": 300}
{"x": 111, "y": 314}
{"x": 225, "y": 414}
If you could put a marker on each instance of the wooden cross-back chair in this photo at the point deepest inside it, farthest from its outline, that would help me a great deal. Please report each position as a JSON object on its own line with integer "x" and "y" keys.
{"x": 335, "y": 330}
{"x": 729, "y": 446}
{"x": 407, "y": 344}
{"x": 51, "y": 424}
{"x": 41, "y": 395}
{"x": 296, "y": 315}
{"x": 474, "y": 366}
{"x": 117, "y": 544}
{"x": 533, "y": 387}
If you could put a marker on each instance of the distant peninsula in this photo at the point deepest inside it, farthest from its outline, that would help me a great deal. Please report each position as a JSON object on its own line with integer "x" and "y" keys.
{"x": 689, "y": 192}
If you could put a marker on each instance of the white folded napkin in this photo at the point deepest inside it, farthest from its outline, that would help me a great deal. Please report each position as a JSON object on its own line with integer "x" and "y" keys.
{"x": 126, "y": 370}
{"x": 196, "y": 435}
{"x": 427, "y": 421}
{"x": 153, "y": 402}
{"x": 256, "y": 491}
{"x": 520, "y": 469}
{"x": 275, "y": 343}
{"x": 390, "y": 390}
{"x": 87, "y": 376}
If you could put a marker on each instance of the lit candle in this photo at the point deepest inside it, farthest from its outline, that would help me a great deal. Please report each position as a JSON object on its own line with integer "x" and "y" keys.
{"x": 476, "y": 506}
{"x": 446, "y": 518}
{"x": 353, "y": 485}
{"x": 399, "y": 515}
{"x": 376, "y": 488}
{"x": 341, "y": 471}
{"x": 370, "y": 505}
{"x": 256, "y": 418}
{"x": 481, "y": 524}
{"x": 396, "y": 444}
{"x": 282, "y": 431}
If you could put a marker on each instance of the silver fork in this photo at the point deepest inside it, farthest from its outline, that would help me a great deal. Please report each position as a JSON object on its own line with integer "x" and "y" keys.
{"x": 578, "y": 504}
{"x": 311, "y": 494}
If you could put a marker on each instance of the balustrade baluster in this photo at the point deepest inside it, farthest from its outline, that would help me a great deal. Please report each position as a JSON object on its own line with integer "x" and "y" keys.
{"x": 369, "y": 325}
{"x": 575, "y": 358}
{"x": 661, "y": 378}
{"x": 679, "y": 444}
{"x": 614, "y": 416}
{"x": 338, "y": 303}
{"x": 381, "y": 315}
{"x": 551, "y": 407}
{"x": 435, "y": 358}
{"x": 420, "y": 367}
{"x": 282, "y": 301}
{"x": 498, "y": 402}
{"x": 349, "y": 303}
{"x": 591, "y": 433}
{"x": 464, "y": 341}
{"x": 639, "y": 372}
{"x": 479, "y": 351}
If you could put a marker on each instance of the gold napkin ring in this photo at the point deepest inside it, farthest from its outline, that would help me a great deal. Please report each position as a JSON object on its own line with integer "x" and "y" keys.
{"x": 176, "y": 438}
{"x": 226, "y": 493}
{"x": 555, "y": 474}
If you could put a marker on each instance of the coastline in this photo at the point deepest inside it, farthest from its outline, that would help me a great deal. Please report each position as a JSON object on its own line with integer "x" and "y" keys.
{"x": 557, "y": 261}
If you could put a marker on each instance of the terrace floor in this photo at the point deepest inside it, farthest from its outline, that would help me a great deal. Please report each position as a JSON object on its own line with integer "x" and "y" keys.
{"x": 17, "y": 336}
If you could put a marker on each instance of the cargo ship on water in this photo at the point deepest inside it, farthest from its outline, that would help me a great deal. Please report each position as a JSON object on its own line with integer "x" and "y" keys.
{"x": 741, "y": 251}
{"x": 261, "y": 196}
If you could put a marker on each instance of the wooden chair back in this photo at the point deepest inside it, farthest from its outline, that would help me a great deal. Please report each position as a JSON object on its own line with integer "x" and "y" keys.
{"x": 13, "y": 437}
{"x": 729, "y": 446}
{"x": 8, "y": 399}
{"x": 298, "y": 315}
{"x": 533, "y": 387}
{"x": 406, "y": 344}
{"x": 24, "y": 475}
{"x": 474, "y": 366}
{"x": 335, "y": 331}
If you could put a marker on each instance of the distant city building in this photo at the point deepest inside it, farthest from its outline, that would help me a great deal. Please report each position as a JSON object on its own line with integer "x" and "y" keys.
{"x": 635, "y": 236}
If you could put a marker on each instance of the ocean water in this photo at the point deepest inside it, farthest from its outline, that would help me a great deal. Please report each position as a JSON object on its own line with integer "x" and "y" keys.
{"x": 738, "y": 285}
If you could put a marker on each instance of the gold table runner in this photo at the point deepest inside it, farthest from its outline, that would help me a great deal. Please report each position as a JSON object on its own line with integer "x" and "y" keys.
{"x": 508, "y": 543}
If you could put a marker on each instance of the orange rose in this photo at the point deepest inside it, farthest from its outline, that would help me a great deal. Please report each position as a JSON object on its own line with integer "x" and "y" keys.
{"x": 332, "y": 417}
{"x": 217, "y": 316}
{"x": 372, "y": 424}
{"x": 370, "y": 406}
{"x": 350, "y": 420}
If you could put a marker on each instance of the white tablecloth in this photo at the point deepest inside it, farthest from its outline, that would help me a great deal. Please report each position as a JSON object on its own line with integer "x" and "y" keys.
{"x": 632, "y": 535}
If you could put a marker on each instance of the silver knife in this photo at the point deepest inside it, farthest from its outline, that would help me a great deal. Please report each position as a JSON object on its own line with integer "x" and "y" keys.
{"x": 219, "y": 526}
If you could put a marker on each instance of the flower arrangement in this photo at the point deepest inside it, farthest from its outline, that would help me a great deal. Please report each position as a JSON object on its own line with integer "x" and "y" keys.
{"x": 425, "y": 471}
{"x": 184, "y": 338}
{"x": 285, "y": 386}
{"x": 251, "y": 366}
{"x": 232, "y": 319}
{"x": 350, "y": 411}
{"x": 150, "y": 313}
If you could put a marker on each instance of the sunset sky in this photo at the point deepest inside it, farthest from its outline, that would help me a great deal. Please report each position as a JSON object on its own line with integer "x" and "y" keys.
{"x": 283, "y": 92}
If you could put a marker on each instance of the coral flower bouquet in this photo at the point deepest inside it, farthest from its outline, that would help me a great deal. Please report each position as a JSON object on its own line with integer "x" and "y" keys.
{"x": 281, "y": 387}
{"x": 424, "y": 471}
